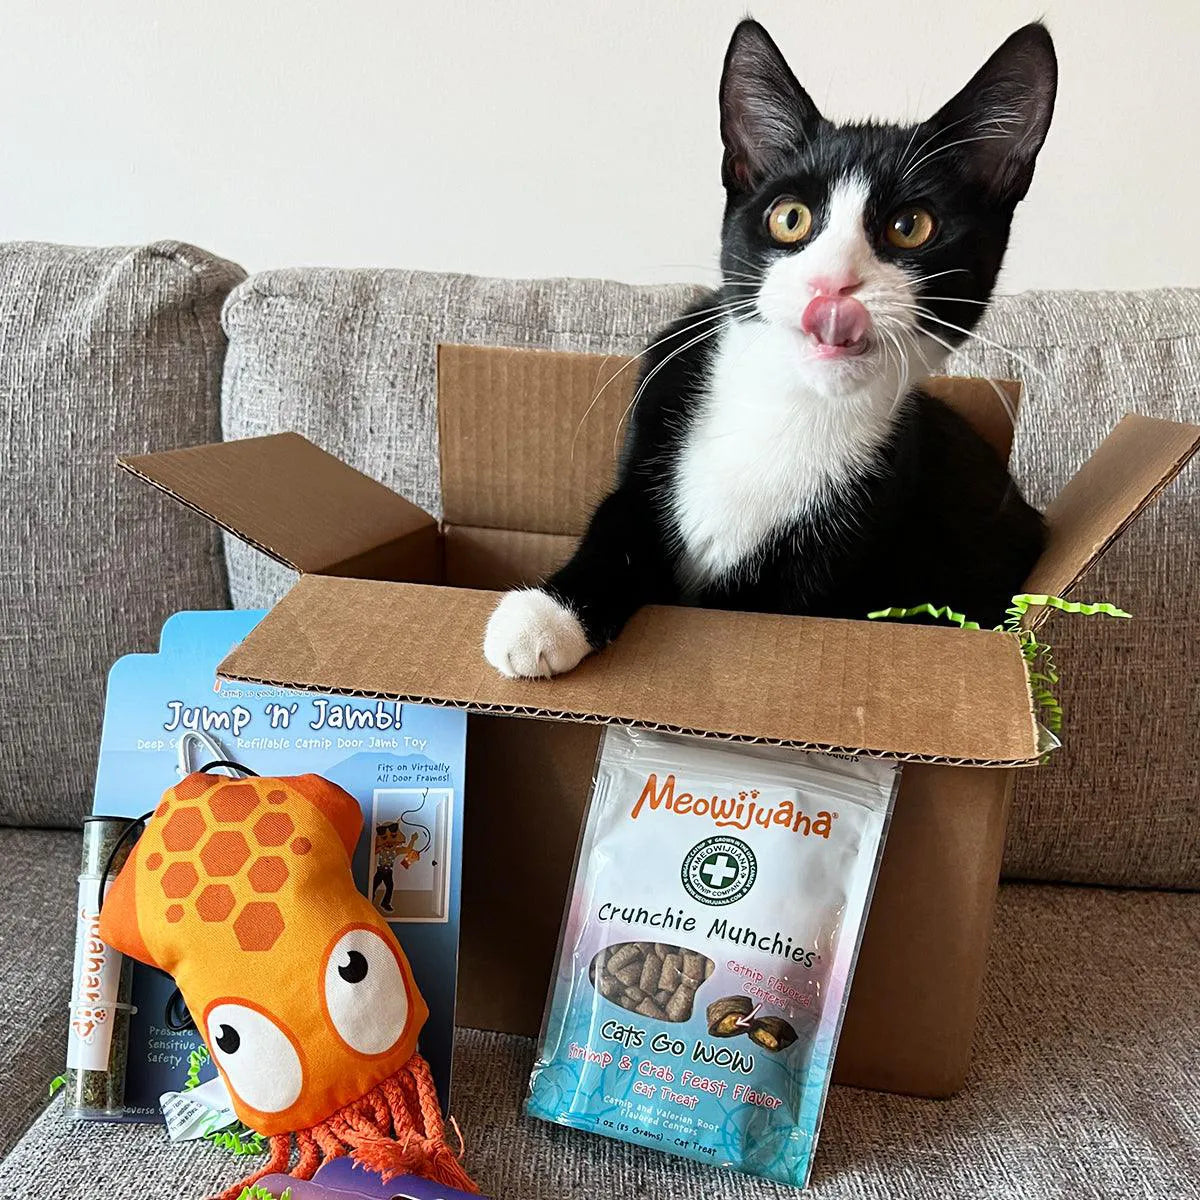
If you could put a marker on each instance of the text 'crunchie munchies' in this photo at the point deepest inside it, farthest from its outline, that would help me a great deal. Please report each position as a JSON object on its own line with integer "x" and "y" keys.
{"x": 708, "y": 946}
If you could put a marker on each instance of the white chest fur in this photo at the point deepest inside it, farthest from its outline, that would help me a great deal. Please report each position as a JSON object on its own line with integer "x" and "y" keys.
{"x": 766, "y": 448}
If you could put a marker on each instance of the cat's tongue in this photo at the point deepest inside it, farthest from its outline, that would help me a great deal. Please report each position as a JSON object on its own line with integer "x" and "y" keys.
{"x": 838, "y": 322}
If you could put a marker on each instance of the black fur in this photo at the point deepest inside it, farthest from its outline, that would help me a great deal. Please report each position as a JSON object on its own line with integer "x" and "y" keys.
{"x": 935, "y": 517}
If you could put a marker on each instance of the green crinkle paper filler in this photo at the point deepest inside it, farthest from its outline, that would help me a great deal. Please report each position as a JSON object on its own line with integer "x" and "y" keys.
{"x": 1039, "y": 660}
{"x": 239, "y": 1139}
{"x": 945, "y": 613}
{"x": 1023, "y": 603}
{"x": 196, "y": 1060}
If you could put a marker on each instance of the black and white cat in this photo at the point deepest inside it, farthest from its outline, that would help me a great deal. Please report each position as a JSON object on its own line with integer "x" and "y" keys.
{"x": 781, "y": 455}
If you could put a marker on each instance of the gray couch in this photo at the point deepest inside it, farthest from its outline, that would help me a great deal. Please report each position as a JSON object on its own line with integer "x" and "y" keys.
{"x": 1086, "y": 1079}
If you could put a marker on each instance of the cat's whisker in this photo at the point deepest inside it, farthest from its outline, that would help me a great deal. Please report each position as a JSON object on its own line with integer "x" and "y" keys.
{"x": 723, "y": 306}
{"x": 909, "y": 166}
{"x": 707, "y": 333}
{"x": 902, "y": 372}
{"x": 957, "y": 300}
{"x": 756, "y": 268}
{"x": 716, "y": 313}
{"x": 885, "y": 343}
{"x": 715, "y": 266}
{"x": 940, "y": 341}
{"x": 984, "y": 137}
{"x": 918, "y": 279}
{"x": 1005, "y": 402}
{"x": 891, "y": 329}
{"x": 912, "y": 137}
{"x": 978, "y": 337}
{"x": 1001, "y": 395}
{"x": 938, "y": 131}
{"x": 715, "y": 270}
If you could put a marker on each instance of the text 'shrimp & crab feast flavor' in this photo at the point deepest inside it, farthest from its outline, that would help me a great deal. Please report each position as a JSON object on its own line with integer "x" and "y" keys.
{"x": 708, "y": 947}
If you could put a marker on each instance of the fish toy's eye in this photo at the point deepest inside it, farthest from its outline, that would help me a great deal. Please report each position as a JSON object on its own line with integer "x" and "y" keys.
{"x": 259, "y": 1061}
{"x": 365, "y": 993}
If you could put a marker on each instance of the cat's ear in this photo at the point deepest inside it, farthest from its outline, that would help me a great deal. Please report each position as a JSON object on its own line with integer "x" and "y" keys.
{"x": 999, "y": 120}
{"x": 765, "y": 113}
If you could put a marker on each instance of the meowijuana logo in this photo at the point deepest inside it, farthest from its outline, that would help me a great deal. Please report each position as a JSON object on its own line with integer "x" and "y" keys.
{"x": 736, "y": 812}
{"x": 719, "y": 870}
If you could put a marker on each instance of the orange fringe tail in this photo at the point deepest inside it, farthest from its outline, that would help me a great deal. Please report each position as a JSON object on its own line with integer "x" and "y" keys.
{"x": 395, "y": 1129}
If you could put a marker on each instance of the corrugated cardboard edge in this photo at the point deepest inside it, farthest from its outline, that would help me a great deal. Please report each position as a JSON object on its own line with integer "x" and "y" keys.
{"x": 126, "y": 465}
{"x": 581, "y": 718}
{"x": 296, "y": 503}
{"x": 930, "y": 693}
{"x": 1117, "y": 482}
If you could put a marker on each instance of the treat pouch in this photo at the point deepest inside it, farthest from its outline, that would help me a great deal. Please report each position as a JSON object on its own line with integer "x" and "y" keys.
{"x": 708, "y": 946}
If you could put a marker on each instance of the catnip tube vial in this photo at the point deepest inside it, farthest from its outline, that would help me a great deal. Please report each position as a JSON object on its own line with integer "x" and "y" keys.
{"x": 98, "y": 1032}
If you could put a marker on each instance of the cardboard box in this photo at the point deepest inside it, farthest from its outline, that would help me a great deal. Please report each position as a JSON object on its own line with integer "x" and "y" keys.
{"x": 392, "y": 603}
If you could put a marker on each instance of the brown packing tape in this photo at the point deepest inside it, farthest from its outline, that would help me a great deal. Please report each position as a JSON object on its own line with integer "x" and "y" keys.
{"x": 1129, "y": 468}
{"x": 293, "y": 501}
{"x": 529, "y": 437}
{"x": 820, "y": 684}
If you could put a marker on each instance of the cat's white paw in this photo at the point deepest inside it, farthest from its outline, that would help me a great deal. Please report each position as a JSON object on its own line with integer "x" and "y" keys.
{"x": 531, "y": 634}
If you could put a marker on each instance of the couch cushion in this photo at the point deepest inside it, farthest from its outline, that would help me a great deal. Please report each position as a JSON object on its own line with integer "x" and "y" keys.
{"x": 37, "y": 943}
{"x": 348, "y": 358}
{"x": 1083, "y": 1086}
{"x": 100, "y": 351}
{"x": 1120, "y": 802}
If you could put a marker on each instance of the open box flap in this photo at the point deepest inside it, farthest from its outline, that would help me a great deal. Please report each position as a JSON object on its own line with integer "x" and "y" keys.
{"x": 919, "y": 692}
{"x": 1129, "y": 468}
{"x": 291, "y": 500}
{"x": 529, "y": 437}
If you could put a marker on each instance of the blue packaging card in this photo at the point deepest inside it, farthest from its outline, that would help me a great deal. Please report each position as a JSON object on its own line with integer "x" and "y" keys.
{"x": 197, "y": 631}
{"x": 168, "y": 714}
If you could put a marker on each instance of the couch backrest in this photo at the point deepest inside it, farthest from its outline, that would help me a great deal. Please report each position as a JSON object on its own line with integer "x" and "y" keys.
{"x": 100, "y": 351}
{"x": 1120, "y": 802}
{"x": 348, "y": 359}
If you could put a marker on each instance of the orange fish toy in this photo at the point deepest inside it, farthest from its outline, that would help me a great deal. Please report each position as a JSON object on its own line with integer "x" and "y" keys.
{"x": 242, "y": 890}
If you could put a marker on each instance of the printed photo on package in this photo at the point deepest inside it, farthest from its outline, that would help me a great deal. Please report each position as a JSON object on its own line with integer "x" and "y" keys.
{"x": 410, "y": 830}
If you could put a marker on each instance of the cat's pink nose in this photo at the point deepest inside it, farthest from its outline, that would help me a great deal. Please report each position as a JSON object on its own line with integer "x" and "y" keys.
{"x": 836, "y": 320}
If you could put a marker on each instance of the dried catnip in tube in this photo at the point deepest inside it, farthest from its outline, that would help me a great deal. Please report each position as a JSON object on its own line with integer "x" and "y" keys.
{"x": 98, "y": 1030}
{"x": 708, "y": 946}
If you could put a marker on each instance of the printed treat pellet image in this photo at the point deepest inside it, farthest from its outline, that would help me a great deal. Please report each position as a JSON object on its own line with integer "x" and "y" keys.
{"x": 727, "y": 1017}
{"x": 650, "y": 978}
{"x": 707, "y": 948}
{"x": 772, "y": 1033}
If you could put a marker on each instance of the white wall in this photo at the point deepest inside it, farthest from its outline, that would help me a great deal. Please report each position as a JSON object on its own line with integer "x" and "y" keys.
{"x": 551, "y": 136}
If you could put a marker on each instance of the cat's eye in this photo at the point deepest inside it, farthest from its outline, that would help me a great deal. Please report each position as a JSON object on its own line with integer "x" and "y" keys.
{"x": 908, "y": 228}
{"x": 789, "y": 221}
